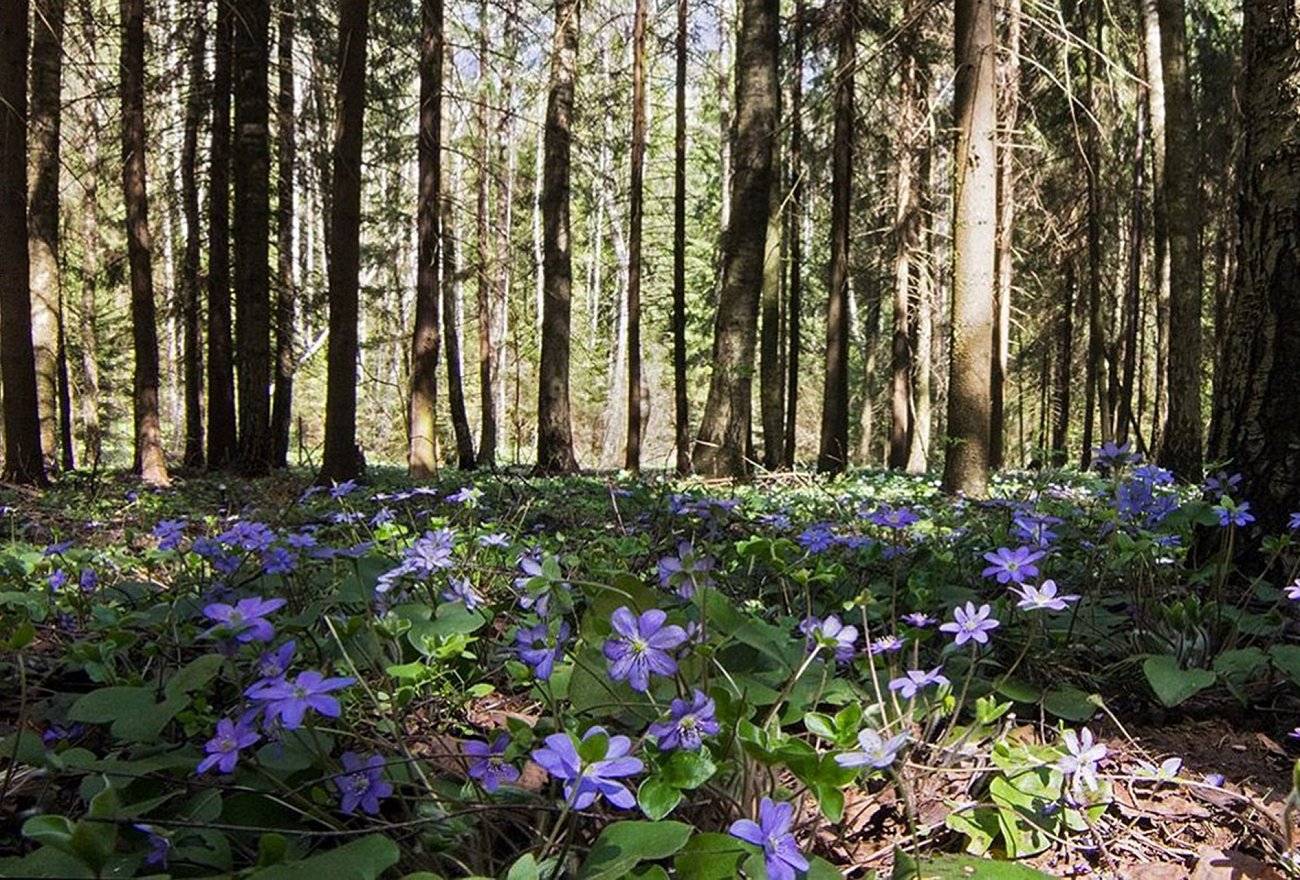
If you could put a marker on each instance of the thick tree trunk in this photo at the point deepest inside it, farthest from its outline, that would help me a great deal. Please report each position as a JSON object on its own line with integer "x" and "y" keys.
{"x": 1129, "y": 347}
{"x": 222, "y": 438}
{"x": 907, "y": 232}
{"x": 1155, "y": 98}
{"x": 633, "y": 459}
{"x": 771, "y": 358}
{"x": 794, "y": 233}
{"x": 722, "y": 444}
{"x": 1259, "y": 389}
{"x": 484, "y": 244}
{"x": 43, "y": 221}
{"x": 833, "y": 455}
{"x": 554, "y": 429}
{"x": 286, "y": 292}
{"x": 252, "y": 176}
{"x": 1010, "y": 118}
{"x": 1096, "y": 406}
{"x": 91, "y": 262}
{"x": 422, "y": 454}
{"x": 149, "y": 460}
{"x": 191, "y": 263}
{"x": 1180, "y": 448}
{"x": 966, "y": 464}
{"x": 23, "y": 462}
{"x": 342, "y": 460}
{"x": 681, "y": 410}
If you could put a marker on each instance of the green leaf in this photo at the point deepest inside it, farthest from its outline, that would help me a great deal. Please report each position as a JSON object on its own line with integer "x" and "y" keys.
{"x": 710, "y": 856}
{"x": 623, "y": 845}
{"x": 1069, "y": 703}
{"x": 594, "y": 747}
{"x": 363, "y": 859}
{"x": 954, "y": 867}
{"x": 524, "y": 868}
{"x": 658, "y": 798}
{"x": 1287, "y": 659}
{"x": 134, "y": 715}
{"x": 194, "y": 675}
{"x": 55, "y": 831}
{"x": 1018, "y": 691}
{"x": 1171, "y": 684}
{"x": 980, "y": 825}
{"x": 687, "y": 770}
{"x": 821, "y": 725}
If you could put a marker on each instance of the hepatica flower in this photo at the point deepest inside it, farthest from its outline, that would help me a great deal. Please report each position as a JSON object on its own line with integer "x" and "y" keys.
{"x": 586, "y": 780}
{"x": 290, "y": 700}
{"x": 1042, "y": 597}
{"x": 487, "y": 767}
{"x": 245, "y": 620}
{"x": 362, "y": 784}
{"x": 1231, "y": 513}
{"x": 686, "y": 572}
{"x": 224, "y": 748}
{"x": 772, "y": 833}
{"x": 640, "y": 645}
{"x": 274, "y": 664}
{"x": 914, "y": 680}
{"x": 1012, "y": 565}
{"x": 160, "y": 846}
{"x": 918, "y": 619}
{"x": 689, "y": 722}
{"x": 971, "y": 623}
{"x": 877, "y": 751}
{"x": 1081, "y": 758}
{"x": 535, "y": 647}
{"x": 887, "y": 645}
{"x": 169, "y": 533}
{"x": 461, "y": 590}
{"x": 831, "y": 633}
{"x": 889, "y": 517}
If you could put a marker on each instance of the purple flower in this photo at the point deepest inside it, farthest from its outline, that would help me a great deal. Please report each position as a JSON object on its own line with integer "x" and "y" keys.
{"x": 496, "y": 539}
{"x": 781, "y": 854}
{"x": 640, "y": 647}
{"x": 690, "y": 723}
{"x": 468, "y": 496}
{"x": 362, "y": 784}
{"x": 831, "y": 633}
{"x": 535, "y": 647}
{"x": 488, "y": 767}
{"x": 584, "y": 781}
{"x": 887, "y": 645}
{"x": 278, "y": 560}
{"x": 1111, "y": 455}
{"x": 540, "y": 582}
{"x": 1292, "y": 590}
{"x": 160, "y": 845}
{"x": 1294, "y": 522}
{"x": 303, "y": 540}
{"x": 223, "y": 749}
{"x": 1222, "y": 484}
{"x": 169, "y": 533}
{"x": 248, "y": 536}
{"x": 245, "y": 620}
{"x": 686, "y": 572}
{"x": 918, "y": 619}
{"x": 1035, "y": 528}
{"x": 817, "y": 538}
{"x": 274, "y": 664}
{"x": 343, "y": 490}
{"x": 57, "y": 549}
{"x": 889, "y": 517}
{"x": 58, "y": 579}
{"x": 1012, "y": 565}
{"x": 57, "y": 733}
{"x": 1042, "y": 597}
{"x": 88, "y": 580}
{"x": 971, "y": 623}
{"x": 877, "y": 751}
{"x": 915, "y": 679}
{"x": 461, "y": 590}
{"x": 1081, "y": 759}
{"x": 291, "y": 700}
{"x": 1233, "y": 514}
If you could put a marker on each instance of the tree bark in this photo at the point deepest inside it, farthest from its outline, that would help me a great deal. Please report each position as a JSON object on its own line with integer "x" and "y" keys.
{"x": 422, "y": 454}
{"x": 43, "y": 220}
{"x": 794, "y": 233}
{"x": 191, "y": 261}
{"x": 483, "y": 276}
{"x": 1258, "y": 393}
{"x": 286, "y": 292}
{"x": 252, "y": 171}
{"x": 222, "y": 437}
{"x": 720, "y": 448}
{"x": 451, "y": 320}
{"x": 1010, "y": 120}
{"x": 1181, "y": 449}
{"x": 833, "y": 455}
{"x": 1064, "y": 355}
{"x": 91, "y": 262}
{"x": 771, "y": 359}
{"x": 1095, "y": 407}
{"x": 149, "y": 459}
{"x": 966, "y": 464}
{"x": 907, "y": 231}
{"x": 633, "y": 459}
{"x": 1155, "y": 97}
{"x": 1129, "y": 350}
{"x": 681, "y": 406}
{"x": 342, "y": 460}
{"x": 554, "y": 428}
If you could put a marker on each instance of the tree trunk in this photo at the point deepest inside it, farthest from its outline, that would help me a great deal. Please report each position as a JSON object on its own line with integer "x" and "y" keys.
{"x": 771, "y": 378}
{"x": 1064, "y": 355}
{"x": 43, "y": 221}
{"x": 1155, "y": 95}
{"x": 833, "y": 455}
{"x": 487, "y": 440}
{"x": 506, "y": 164}
{"x": 252, "y": 170}
{"x": 1259, "y": 389}
{"x": 554, "y": 429}
{"x": 794, "y": 233}
{"x": 907, "y": 231}
{"x": 1010, "y": 113}
{"x": 1129, "y": 348}
{"x": 191, "y": 264}
{"x": 635, "y": 210}
{"x": 286, "y": 293}
{"x": 23, "y": 462}
{"x": 1095, "y": 404}
{"x": 422, "y": 454}
{"x": 452, "y": 322}
{"x": 681, "y": 410}
{"x": 342, "y": 460}
{"x": 149, "y": 460}
{"x": 720, "y": 449}
{"x": 1180, "y": 449}
{"x": 222, "y": 439}
{"x": 966, "y": 464}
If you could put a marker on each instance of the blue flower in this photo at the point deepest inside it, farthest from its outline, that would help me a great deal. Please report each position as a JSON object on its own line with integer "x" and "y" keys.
{"x": 584, "y": 781}
{"x": 831, "y": 633}
{"x": 160, "y": 845}
{"x": 224, "y": 747}
{"x": 1232, "y": 514}
{"x": 535, "y": 647}
{"x": 488, "y": 766}
{"x": 245, "y": 620}
{"x": 290, "y": 700}
{"x": 970, "y": 623}
{"x": 343, "y": 490}
{"x": 1012, "y": 565}
{"x": 361, "y": 784}
{"x": 686, "y": 572}
{"x": 248, "y": 536}
{"x": 640, "y": 647}
{"x": 461, "y": 590}
{"x": 278, "y": 560}
{"x": 889, "y": 517}
{"x": 877, "y": 751}
{"x": 274, "y": 664}
{"x": 915, "y": 679}
{"x": 1034, "y": 598}
{"x": 169, "y": 533}
{"x": 58, "y": 579}
{"x": 690, "y": 722}
{"x": 817, "y": 538}
{"x": 771, "y": 832}
{"x": 1081, "y": 758}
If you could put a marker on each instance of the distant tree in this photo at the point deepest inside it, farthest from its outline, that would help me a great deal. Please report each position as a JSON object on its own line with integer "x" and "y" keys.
{"x": 794, "y": 235}
{"x": 286, "y": 289}
{"x": 722, "y": 444}
{"x": 635, "y": 217}
{"x": 966, "y": 462}
{"x": 150, "y": 461}
{"x": 834, "y": 454}
{"x": 223, "y": 445}
{"x": 1258, "y": 391}
{"x": 342, "y": 459}
{"x": 1010, "y": 113}
{"x": 252, "y": 182}
{"x": 681, "y": 403}
{"x": 23, "y": 462}
{"x": 554, "y": 427}
{"x": 192, "y": 261}
{"x": 483, "y": 254}
{"x": 422, "y": 453}
{"x": 451, "y": 321}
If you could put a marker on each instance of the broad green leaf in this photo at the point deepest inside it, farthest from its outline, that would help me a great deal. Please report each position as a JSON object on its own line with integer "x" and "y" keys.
{"x": 363, "y": 859}
{"x": 657, "y": 798}
{"x": 1171, "y": 684}
{"x": 1069, "y": 703}
{"x": 980, "y": 825}
{"x": 687, "y": 769}
{"x": 623, "y": 845}
{"x": 955, "y": 867}
{"x": 710, "y": 856}
{"x": 524, "y": 868}
{"x": 134, "y": 715}
{"x": 194, "y": 675}
{"x": 1287, "y": 659}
